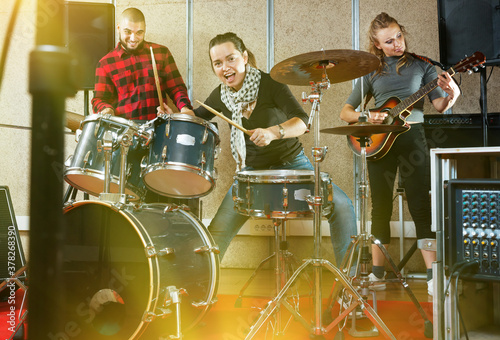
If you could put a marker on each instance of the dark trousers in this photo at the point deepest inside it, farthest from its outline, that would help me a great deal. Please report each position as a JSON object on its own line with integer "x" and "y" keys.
{"x": 410, "y": 155}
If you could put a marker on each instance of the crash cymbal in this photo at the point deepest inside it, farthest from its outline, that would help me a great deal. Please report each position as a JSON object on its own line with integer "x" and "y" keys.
{"x": 364, "y": 129}
{"x": 73, "y": 120}
{"x": 341, "y": 65}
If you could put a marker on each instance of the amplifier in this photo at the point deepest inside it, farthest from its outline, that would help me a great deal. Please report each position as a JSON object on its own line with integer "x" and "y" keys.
{"x": 472, "y": 230}
{"x": 460, "y": 130}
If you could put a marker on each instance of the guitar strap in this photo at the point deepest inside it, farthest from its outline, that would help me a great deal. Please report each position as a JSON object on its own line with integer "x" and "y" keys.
{"x": 429, "y": 60}
{"x": 435, "y": 63}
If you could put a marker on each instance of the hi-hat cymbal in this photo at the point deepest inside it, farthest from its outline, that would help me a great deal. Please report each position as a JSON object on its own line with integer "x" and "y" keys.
{"x": 364, "y": 129}
{"x": 341, "y": 65}
{"x": 73, "y": 120}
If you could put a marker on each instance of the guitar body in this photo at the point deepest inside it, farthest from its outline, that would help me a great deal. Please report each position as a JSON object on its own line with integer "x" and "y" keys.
{"x": 397, "y": 111}
{"x": 380, "y": 144}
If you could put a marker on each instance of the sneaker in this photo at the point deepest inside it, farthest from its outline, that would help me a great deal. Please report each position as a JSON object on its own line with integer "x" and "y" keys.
{"x": 344, "y": 305}
{"x": 430, "y": 287}
{"x": 375, "y": 283}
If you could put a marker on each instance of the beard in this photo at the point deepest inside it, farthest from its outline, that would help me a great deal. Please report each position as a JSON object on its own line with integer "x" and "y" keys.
{"x": 131, "y": 50}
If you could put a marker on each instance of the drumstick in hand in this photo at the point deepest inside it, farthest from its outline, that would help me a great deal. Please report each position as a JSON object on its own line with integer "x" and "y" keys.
{"x": 218, "y": 114}
{"x": 157, "y": 80}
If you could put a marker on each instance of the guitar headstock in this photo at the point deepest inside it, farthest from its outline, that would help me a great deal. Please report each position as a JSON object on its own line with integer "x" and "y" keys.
{"x": 470, "y": 63}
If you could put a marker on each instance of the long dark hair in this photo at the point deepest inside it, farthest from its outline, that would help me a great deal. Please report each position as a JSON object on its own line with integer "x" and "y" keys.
{"x": 238, "y": 43}
{"x": 384, "y": 20}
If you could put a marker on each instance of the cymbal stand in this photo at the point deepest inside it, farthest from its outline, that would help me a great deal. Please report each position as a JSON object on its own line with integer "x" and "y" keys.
{"x": 362, "y": 242}
{"x": 317, "y": 330}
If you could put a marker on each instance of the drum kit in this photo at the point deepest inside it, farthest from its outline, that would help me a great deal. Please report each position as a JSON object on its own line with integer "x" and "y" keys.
{"x": 132, "y": 268}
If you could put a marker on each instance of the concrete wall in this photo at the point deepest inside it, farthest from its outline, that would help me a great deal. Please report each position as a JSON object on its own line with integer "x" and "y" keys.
{"x": 300, "y": 27}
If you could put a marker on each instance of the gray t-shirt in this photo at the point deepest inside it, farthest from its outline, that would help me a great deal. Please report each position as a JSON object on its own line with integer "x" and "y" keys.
{"x": 391, "y": 84}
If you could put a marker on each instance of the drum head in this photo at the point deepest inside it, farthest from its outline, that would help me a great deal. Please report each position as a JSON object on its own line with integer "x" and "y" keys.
{"x": 178, "y": 181}
{"x": 120, "y": 263}
{"x": 106, "y": 274}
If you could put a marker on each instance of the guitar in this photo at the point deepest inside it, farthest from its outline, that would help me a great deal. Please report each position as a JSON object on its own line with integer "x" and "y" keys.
{"x": 397, "y": 111}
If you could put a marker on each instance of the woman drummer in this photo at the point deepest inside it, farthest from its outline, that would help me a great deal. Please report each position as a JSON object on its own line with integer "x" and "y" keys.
{"x": 274, "y": 118}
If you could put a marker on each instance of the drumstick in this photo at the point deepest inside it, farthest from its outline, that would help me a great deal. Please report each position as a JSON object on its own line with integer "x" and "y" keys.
{"x": 157, "y": 80}
{"x": 236, "y": 125}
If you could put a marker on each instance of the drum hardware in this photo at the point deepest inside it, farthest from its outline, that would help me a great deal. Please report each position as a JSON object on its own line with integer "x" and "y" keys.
{"x": 317, "y": 67}
{"x": 204, "y": 304}
{"x": 207, "y": 249}
{"x": 361, "y": 243}
{"x": 151, "y": 251}
{"x": 175, "y": 297}
{"x": 205, "y": 135}
{"x": 164, "y": 153}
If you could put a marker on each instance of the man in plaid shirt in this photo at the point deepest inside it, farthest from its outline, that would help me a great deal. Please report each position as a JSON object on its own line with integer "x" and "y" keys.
{"x": 125, "y": 84}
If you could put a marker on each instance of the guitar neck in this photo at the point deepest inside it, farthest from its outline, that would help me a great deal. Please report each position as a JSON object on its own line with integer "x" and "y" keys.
{"x": 411, "y": 100}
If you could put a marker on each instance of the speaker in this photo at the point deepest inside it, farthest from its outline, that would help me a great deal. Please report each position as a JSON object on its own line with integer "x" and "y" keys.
{"x": 11, "y": 249}
{"x": 466, "y": 26}
{"x": 90, "y": 35}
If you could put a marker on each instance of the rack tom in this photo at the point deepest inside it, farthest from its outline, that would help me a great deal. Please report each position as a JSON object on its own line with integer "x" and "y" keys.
{"x": 85, "y": 169}
{"x": 181, "y": 157}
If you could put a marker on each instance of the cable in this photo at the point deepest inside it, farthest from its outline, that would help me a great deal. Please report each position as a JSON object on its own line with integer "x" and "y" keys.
{"x": 454, "y": 268}
{"x": 491, "y": 72}
{"x": 462, "y": 322}
{"x": 8, "y": 36}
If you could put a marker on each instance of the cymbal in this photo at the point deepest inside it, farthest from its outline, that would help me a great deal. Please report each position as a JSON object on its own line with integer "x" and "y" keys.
{"x": 341, "y": 65}
{"x": 73, "y": 120}
{"x": 364, "y": 129}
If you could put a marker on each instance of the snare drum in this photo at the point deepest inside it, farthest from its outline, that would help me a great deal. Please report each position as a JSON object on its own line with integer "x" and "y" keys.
{"x": 181, "y": 158}
{"x": 120, "y": 264}
{"x": 86, "y": 167}
{"x": 279, "y": 193}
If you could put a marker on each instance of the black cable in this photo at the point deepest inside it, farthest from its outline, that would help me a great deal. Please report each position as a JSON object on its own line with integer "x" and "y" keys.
{"x": 462, "y": 322}
{"x": 491, "y": 72}
{"x": 454, "y": 268}
{"x": 8, "y": 37}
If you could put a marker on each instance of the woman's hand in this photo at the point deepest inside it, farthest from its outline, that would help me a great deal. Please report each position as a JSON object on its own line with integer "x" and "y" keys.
{"x": 376, "y": 117}
{"x": 445, "y": 82}
{"x": 262, "y": 137}
{"x": 448, "y": 85}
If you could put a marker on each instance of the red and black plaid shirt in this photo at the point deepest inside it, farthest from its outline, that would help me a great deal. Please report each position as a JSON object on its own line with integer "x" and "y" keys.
{"x": 125, "y": 82}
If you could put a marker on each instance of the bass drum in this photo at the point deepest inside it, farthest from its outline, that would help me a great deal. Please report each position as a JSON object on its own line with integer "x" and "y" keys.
{"x": 121, "y": 265}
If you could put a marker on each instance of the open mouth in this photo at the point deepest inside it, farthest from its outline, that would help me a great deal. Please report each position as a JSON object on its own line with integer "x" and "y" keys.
{"x": 230, "y": 77}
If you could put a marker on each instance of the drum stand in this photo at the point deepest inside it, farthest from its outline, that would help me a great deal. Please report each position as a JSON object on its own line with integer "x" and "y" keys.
{"x": 362, "y": 242}
{"x": 281, "y": 255}
{"x": 317, "y": 330}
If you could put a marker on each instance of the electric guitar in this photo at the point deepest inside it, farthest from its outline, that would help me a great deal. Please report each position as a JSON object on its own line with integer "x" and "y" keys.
{"x": 397, "y": 111}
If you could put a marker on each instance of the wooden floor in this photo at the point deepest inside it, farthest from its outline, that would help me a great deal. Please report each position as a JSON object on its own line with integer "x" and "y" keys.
{"x": 232, "y": 281}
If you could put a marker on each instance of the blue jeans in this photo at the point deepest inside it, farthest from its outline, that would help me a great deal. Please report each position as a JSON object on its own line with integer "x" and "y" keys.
{"x": 227, "y": 222}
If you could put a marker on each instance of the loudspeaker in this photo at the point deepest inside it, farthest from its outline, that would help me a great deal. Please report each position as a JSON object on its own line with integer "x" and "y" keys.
{"x": 90, "y": 35}
{"x": 466, "y": 26}
{"x": 11, "y": 249}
